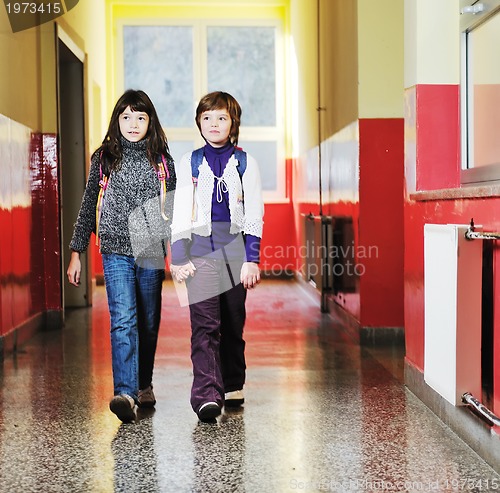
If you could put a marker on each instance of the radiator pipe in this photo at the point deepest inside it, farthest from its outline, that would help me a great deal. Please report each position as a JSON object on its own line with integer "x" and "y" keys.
{"x": 320, "y": 108}
{"x": 471, "y": 234}
{"x": 483, "y": 411}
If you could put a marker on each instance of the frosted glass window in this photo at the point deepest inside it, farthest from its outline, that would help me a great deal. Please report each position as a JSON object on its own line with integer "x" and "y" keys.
{"x": 176, "y": 64}
{"x": 265, "y": 154}
{"x": 159, "y": 60}
{"x": 180, "y": 147}
{"x": 484, "y": 93}
{"x": 241, "y": 61}
{"x": 480, "y": 91}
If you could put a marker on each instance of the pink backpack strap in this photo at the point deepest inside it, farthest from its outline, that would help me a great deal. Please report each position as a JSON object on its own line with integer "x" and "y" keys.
{"x": 103, "y": 184}
{"x": 163, "y": 176}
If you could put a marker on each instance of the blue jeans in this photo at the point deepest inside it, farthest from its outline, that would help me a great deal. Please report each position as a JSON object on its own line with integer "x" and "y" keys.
{"x": 134, "y": 300}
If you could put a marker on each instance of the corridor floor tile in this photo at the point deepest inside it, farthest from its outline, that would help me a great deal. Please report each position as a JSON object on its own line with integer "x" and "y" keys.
{"x": 321, "y": 413}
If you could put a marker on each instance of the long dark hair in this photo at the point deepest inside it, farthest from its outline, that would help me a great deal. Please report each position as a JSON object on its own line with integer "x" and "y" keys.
{"x": 219, "y": 100}
{"x": 111, "y": 148}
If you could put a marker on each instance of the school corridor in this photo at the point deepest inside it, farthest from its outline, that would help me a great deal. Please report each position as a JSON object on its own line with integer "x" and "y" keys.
{"x": 375, "y": 127}
{"x": 322, "y": 413}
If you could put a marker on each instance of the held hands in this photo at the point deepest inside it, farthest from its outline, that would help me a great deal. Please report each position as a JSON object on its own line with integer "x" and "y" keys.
{"x": 250, "y": 275}
{"x": 74, "y": 269}
{"x": 181, "y": 272}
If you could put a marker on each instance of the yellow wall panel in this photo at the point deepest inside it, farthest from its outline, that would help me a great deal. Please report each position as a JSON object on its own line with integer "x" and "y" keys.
{"x": 381, "y": 62}
{"x": 432, "y": 47}
{"x": 338, "y": 64}
{"x": 304, "y": 75}
{"x": 28, "y": 90}
{"x": 20, "y": 67}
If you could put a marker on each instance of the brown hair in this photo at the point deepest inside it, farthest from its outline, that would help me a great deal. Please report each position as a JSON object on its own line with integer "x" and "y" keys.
{"x": 219, "y": 100}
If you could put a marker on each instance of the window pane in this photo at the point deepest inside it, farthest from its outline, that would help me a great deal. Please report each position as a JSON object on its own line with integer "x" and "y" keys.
{"x": 159, "y": 60}
{"x": 484, "y": 93}
{"x": 241, "y": 61}
{"x": 266, "y": 155}
{"x": 179, "y": 147}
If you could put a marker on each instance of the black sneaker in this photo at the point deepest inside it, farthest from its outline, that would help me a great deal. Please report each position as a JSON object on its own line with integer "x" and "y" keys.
{"x": 124, "y": 407}
{"x": 208, "y": 412}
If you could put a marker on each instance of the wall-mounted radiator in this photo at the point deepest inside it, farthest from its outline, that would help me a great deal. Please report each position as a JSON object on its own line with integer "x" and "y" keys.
{"x": 329, "y": 255}
{"x": 452, "y": 287}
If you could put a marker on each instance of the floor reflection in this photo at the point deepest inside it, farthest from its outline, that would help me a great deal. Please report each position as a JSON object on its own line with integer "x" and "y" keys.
{"x": 134, "y": 453}
{"x": 219, "y": 454}
{"x": 320, "y": 414}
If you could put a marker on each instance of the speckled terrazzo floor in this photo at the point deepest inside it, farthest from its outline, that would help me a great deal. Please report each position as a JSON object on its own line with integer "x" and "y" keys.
{"x": 321, "y": 414}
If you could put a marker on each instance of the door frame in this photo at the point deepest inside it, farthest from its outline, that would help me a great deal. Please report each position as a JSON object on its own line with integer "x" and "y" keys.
{"x": 73, "y": 156}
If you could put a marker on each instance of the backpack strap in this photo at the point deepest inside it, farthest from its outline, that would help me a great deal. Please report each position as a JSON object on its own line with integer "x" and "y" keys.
{"x": 197, "y": 159}
{"x": 241, "y": 156}
{"x": 103, "y": 184}
{"x": 163, "y": 176}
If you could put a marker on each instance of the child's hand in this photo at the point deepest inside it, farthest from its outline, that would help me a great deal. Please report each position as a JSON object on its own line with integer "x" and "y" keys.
{"x": 74, "y": 269}
{"x": 250, "y": 275}
{"x": 181, "y": 272}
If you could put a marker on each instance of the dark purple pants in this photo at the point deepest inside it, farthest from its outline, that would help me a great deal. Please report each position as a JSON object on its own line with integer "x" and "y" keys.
{"x": 217, "y": 309}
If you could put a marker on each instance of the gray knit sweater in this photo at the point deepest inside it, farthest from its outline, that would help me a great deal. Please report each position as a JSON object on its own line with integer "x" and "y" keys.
{"x": 131, "y": 222}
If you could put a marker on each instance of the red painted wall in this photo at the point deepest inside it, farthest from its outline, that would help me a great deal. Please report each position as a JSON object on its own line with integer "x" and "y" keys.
{"x": 438, "y": 136}
{"x": 381, "y": 197}
{"x": 6, "y": 274}
{"x": 278, "y": 253}
{"x": 30, "y": 274}
{"x": 435, "y": 125}
{"x": 375, "y": 203}
{"x": 485, "y": 212}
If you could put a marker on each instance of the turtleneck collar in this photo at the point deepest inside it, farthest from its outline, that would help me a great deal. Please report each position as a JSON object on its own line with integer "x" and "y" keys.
{"x": 217, "y": 157}
{"x": 138, "y": 146}
{"x": 219, "y": 150}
